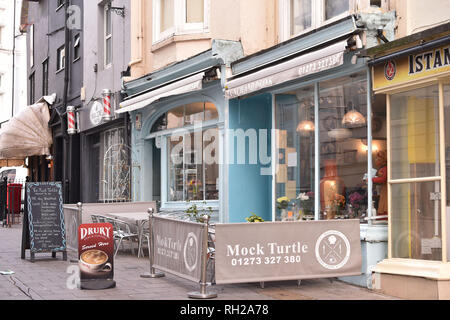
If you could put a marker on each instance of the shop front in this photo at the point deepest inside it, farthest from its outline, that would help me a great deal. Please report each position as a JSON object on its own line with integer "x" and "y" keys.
{"x": 413, "y": 75}
{"x": 327, "y": 139}
{"x": 178, "y": 125}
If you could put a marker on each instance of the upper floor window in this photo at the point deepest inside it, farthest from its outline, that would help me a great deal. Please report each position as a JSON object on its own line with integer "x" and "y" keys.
{"x": 1, "y": 36}
{"x": 45, "y": 77}
{"x": 108, "y": 36}
{"x": 179, "y": 17}
{"x": 60, "y": 58}
{"x": 76, "y": 48}
{"x": 31, "y": 45}
{"x": 299, "y": 16}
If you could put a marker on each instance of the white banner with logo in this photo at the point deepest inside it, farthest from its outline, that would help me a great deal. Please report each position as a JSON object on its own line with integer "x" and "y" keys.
{"x": 273, "y": 251}
{"x": 178, "y": 247}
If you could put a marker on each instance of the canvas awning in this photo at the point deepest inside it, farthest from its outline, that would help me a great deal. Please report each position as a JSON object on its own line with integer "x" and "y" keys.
{"x": 28, "y": 133}
{"x": 189, "y": 84}
{"x": 304, "y": 65}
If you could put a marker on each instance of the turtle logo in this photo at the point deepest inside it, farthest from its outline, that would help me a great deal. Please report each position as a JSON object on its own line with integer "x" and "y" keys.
{"x": 390, "y": 70}
{"x": 333, "y": 250}
{"x": 190, "y": 252}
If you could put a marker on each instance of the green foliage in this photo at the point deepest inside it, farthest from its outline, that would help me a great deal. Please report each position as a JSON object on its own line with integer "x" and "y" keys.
{"x": 254, "y": 218}
{"x": 197, "y": 214}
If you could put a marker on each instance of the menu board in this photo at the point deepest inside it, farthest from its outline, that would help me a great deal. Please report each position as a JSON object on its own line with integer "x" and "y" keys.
{"x": 45, "y": 217}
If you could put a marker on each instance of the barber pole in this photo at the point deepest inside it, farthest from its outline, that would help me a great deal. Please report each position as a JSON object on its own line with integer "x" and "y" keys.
{"x": 71, "y": 124}
{"x": 106, "y": 105}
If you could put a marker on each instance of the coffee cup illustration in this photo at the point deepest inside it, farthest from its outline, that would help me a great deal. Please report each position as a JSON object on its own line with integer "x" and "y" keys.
{"x": 94, "y": 261}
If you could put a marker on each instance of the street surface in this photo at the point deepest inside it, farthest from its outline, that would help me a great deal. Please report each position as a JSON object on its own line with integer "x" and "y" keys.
{"x": 48, "y": 279}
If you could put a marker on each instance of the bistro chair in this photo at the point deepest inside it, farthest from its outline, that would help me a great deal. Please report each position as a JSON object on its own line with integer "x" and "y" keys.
{"x": 144, "y": 233}
{"x": 94, "y": 218}
{"x": 122, "y": 231}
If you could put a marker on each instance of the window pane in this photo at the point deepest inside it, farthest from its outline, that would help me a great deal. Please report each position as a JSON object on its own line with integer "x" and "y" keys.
{"x": 176, "y": 164}
{"x": 210, "y": 111}
{"x": 193, "y": 168}
{"x": 211, "y": 163}
{"x": 194, "y": 113}
{"x": 300, "y": 15}
{"x": 108, "y": 23}
{"x": 194, "y": 11}
{"x": 108, "y": 57}
{"x": 343, "y": 156}
{"x": 175, "y": 118}
{"x": 416, "y": 221}
{"x": 295, "y": 144}
{"x": 167, "y": 15}
{"x": 415, "y": 133}
{"x": 334, "y": 8}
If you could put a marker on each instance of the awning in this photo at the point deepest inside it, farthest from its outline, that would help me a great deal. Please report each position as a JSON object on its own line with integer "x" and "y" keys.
{"x": 189, "y": 84}
{"x": 27, "y": 134}
{"x": 307, "y": 64}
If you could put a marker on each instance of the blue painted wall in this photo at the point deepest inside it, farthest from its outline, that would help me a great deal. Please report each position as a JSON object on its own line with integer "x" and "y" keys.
{"x": 249, "y": 191}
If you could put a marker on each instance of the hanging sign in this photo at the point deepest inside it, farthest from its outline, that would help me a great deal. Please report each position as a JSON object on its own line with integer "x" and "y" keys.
{"x": 43, "y": 226}
{"x": 412, "y": 67}
{"x": 96, "y": 255}
{"x": 274, "y": 251}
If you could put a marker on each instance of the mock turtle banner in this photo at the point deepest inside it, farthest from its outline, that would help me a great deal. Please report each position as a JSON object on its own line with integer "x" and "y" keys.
{"x": 273, "y": 251}
{"x": 177, "y": 247}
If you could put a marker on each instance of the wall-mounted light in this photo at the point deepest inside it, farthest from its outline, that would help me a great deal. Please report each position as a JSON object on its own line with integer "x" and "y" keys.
{"x": 71, "y": 122}
{"x": 106, "y": 94}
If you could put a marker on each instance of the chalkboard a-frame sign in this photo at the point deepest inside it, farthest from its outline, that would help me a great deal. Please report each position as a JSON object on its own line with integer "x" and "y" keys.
{"x": 43, "y": 224}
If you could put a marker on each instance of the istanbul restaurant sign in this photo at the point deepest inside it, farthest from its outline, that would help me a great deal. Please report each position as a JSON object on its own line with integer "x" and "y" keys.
{"x": 273, "y": 251}
{"x": 412, "y": 67}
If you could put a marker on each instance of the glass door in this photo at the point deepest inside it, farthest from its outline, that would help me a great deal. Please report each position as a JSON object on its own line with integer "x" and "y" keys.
{"x": 415, "y": 175}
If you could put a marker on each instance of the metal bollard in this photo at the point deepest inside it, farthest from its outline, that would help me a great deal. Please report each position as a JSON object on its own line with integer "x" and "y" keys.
{"x": 152, "y": 273}
{"x": 203, "y": 294}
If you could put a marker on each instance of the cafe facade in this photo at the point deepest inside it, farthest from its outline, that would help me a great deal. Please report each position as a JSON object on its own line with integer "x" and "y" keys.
{"x": 412, "y": 74}
{"x": 327, "y": 137}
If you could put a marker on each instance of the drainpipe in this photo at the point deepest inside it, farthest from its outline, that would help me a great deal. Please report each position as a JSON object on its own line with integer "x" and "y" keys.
{"x": 14, "y": 62}
{"x": 66, "y": 145}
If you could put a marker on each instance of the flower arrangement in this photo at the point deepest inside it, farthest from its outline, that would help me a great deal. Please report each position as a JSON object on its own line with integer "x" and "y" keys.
{"x": 283, "y": 202}
{"x": 306, "y": 201}
{"x": 356, "y": 200}
{"x": 338, "y": 202}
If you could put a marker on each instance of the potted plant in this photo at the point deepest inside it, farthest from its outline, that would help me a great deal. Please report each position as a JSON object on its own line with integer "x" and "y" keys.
{"x": 254, "y": 218}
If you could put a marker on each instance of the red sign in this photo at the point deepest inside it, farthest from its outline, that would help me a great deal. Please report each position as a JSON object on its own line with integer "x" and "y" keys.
{"x": 96, "y": 251}
{"x": 390, "y": 70}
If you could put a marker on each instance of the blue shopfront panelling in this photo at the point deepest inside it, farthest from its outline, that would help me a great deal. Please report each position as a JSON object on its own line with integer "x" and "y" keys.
{"x": 250, "y": 190}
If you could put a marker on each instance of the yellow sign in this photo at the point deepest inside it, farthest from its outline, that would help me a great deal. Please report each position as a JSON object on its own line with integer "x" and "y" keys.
{"x": 412, "y": 67}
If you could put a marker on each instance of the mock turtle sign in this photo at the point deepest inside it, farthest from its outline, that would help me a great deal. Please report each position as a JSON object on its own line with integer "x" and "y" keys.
{"x": 273, "y": 251}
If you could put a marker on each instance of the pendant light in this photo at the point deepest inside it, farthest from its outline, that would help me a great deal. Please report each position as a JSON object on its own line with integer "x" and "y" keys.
{"x": 353, "y": 119}
{"x": 305, "y": 126}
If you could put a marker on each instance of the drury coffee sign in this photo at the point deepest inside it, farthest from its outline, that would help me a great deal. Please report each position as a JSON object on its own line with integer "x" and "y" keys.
{"x": 254, "y": 252}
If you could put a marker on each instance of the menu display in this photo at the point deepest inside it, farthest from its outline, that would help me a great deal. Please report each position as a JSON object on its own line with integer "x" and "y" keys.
{"x": 44, "y": 206}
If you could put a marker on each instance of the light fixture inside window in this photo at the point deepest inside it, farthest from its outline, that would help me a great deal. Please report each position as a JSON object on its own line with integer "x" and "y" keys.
{"x": 353, "y": 119}
{"x": 305, "y": 126}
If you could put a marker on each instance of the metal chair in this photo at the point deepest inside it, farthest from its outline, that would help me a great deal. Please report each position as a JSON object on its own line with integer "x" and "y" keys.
{"x": 122, "y": 231}
{"x": 144, "y": 233}
{"x": 94, "y": 218}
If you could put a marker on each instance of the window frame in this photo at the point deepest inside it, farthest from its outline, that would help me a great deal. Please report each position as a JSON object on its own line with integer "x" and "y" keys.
{"x": 45, "y": 74}
{"x": 107, "y": 36}
{"x": 32, "y": 84}
{"x": 76, "y": 47}
{"x": 60, "y": 59}
{"x": 317, "y": 17}
{"x": 180, "y": 26}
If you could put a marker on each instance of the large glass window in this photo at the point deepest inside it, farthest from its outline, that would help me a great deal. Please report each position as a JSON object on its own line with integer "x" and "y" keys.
{"x": 343, "y": 158}
{"x": 192, "y": 152}
{"x": 295, "y": 142}
{"x": 416, "y": 210}
{"x": 342, "y": 132}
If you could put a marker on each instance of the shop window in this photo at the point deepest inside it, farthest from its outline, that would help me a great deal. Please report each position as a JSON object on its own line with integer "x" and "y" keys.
{"x": 415, "y": 183}
{"x": 192, "y": 152}
{"x": 115, "y": 168}
{"x": 295, "y": 142}
{"x": 174, "y": 17}
{"x": 343, "y": 157}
